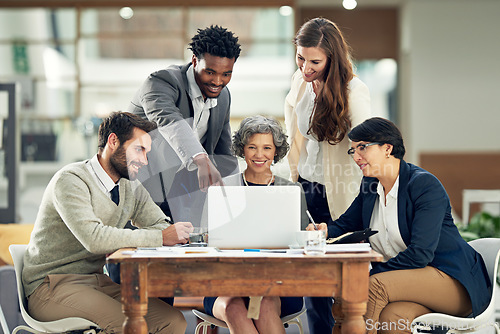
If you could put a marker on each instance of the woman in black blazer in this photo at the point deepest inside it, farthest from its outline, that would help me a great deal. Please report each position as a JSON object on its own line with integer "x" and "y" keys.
{"x": 427, "y": 265}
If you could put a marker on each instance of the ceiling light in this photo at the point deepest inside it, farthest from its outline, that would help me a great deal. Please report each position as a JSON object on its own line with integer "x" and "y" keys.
{"x": 286, "y": 10}
{"x": 126, "y": 13}
{"x": 349, "y": 4}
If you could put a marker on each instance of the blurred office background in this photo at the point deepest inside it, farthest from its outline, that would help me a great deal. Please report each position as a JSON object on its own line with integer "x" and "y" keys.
{"x": 431, "y": 66}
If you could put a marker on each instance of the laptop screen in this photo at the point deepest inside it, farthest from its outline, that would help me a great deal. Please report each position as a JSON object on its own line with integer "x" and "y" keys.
{"x": 253, "y": 217}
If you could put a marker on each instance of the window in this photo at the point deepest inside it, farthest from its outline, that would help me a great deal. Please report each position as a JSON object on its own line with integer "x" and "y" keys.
{"x": 77, "y": 65}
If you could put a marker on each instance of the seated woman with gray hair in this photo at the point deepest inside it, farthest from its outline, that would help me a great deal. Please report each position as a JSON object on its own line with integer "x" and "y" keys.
{"x": 261, "y": 142}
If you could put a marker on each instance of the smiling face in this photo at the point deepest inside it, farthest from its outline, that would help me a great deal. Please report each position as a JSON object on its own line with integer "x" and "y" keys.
{"x": 212, "y": 73}
{"x": 312, "y": 63}
{"x": 130, "y": 156}
{"x": 259, "y": 153}
{"x": 371, "y": 159}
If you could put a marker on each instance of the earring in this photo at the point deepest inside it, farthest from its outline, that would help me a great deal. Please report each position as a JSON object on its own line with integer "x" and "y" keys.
{"x": 387, "y": 156}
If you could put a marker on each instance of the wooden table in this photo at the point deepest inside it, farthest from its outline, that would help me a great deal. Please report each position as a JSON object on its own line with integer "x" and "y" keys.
{"x": 341, "y": 275}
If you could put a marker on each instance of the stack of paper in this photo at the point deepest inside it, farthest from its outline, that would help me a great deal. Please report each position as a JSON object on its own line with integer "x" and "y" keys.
{"x": 358, "y": 247}
{"x": 170, "y": 251}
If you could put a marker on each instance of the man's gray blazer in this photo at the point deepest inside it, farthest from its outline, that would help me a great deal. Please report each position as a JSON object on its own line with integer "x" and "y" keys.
{"x": 163, "y": 98}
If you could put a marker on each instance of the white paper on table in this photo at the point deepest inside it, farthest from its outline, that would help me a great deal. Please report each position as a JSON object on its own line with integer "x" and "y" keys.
{"x": 358, "y": 247}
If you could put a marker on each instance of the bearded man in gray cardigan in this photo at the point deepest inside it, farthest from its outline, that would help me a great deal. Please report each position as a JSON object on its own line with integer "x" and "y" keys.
{"x": 82, "y": 218}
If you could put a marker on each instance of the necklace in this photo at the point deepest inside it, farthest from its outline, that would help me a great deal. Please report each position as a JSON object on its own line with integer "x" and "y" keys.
{"x": 246, "y": 183}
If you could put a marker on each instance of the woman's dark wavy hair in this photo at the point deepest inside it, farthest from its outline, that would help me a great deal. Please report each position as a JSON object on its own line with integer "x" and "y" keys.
{"x": 260, "y": 124}
{"x": 381, "y": 130}
{"x": 122, "y": 124}
{"x": 330, "y": 120}
{"x": 216, "y": 41}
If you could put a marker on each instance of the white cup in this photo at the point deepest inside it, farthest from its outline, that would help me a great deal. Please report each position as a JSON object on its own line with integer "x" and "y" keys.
{"x": 315, "y": 243}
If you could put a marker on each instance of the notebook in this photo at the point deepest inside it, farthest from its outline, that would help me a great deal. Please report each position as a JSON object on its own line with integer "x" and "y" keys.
{"x": 253, "y": 217}
{"x": 352, "y": 237}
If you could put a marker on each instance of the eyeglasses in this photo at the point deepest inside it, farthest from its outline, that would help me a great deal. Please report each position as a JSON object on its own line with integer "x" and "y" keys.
{"x": 361, "y": 148}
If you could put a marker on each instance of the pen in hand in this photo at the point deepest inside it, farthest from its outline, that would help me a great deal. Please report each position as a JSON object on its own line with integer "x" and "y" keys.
{"x": 312, "y": 220}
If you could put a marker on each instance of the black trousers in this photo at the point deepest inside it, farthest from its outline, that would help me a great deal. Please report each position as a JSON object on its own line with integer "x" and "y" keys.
{"x": 319, "y": 309}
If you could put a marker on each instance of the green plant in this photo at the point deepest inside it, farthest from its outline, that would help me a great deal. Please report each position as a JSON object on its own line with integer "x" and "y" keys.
{"x": 481, "y": 225}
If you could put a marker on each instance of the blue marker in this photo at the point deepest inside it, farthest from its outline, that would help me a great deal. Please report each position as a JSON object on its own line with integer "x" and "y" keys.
{"x": 266, "y": 250}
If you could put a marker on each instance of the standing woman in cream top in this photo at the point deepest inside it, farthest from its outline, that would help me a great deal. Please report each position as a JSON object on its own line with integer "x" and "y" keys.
{"x": 325, "y": 101}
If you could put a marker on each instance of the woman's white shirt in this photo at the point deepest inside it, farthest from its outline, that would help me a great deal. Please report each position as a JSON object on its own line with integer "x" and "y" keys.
{"x": 388, "y": 240}
{"x": 341, "y": 175}
{"x": 310, "y": 165}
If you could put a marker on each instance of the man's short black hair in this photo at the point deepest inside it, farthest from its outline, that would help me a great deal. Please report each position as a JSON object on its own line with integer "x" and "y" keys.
{"x": 216, "y": 41}
{"x": 122, "y": 124}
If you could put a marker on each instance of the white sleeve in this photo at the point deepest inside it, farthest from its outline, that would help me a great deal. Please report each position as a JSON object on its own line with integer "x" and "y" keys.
{"x": 359, "y": 102}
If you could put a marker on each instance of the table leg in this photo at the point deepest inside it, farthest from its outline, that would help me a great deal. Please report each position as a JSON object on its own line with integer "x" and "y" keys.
{"x": 134, "y": 297}
{"x": 337, "y": 315}
{"x": 354, "y": 297}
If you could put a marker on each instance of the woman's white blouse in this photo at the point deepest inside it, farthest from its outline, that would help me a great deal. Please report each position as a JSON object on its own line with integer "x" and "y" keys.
{"x": 310, "y": 164}
{"x": 388, "y": 240}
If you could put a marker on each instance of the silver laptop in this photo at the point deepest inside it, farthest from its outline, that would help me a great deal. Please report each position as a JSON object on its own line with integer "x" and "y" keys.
{"x": 253, "y": 217}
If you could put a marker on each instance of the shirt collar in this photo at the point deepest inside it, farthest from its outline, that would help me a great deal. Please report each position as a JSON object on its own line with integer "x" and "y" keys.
{"x": 194, "y": 89}
{"x": 101, "y": 174}
{"x": 394, "y": 191}
{"x": 395, "y": 188}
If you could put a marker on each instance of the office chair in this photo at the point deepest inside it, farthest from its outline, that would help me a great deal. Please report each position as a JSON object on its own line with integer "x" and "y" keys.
{"x": 3, "y": 322}
{"x": 489, "y": 248}
{"x": 209, "y": 321}
{"x": 40, "y": 327}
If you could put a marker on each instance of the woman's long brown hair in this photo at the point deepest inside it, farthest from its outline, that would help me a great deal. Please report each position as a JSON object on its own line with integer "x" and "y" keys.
{"x": 330, "y": 119}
